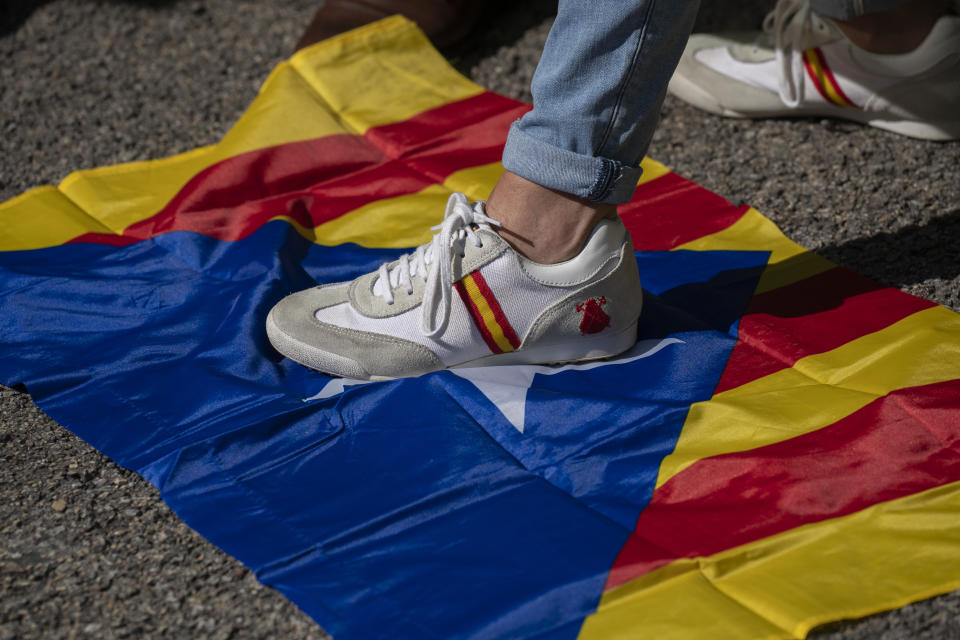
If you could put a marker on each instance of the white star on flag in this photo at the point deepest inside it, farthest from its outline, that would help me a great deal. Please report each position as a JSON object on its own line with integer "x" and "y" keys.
{"x": 506, "y": 386}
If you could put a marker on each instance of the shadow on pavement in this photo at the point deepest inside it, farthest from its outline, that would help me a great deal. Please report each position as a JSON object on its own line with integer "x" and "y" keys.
{"x": 13, "y": 13}
{"x": 906, "y": 256}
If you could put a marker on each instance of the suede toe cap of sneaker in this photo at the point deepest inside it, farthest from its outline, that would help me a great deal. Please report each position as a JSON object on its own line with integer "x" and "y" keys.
{"x": 295, "y": 332}
{"x": 713, "y": 91}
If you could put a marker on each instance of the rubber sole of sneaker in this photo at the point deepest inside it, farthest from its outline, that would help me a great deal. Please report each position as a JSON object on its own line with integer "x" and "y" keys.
{"x": 598, "y": 347}
{"x": 935, "y": 131}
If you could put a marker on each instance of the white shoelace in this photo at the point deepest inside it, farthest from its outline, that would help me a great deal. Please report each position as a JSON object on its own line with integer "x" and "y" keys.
{"x": 431, "y": 262}
{"x": 790, "y": 23}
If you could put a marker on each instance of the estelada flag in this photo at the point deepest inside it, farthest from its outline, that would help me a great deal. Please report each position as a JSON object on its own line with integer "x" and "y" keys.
{"x": 778, "y": 450}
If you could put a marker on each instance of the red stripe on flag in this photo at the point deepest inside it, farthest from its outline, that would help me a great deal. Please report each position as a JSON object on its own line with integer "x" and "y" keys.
{"x": 815, "y": 315}
{"x": 315, "y": 181}
{"x": 477, "y": 318}
{"x": 488, "y": 115}
{"x": 671, "y": 210}
{"x": 498, "y": 314}
{"x": 898, "y": 445}
{"x": 833, "y": 81}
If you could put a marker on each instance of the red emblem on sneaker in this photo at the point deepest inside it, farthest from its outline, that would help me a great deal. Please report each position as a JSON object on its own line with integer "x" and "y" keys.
{"x": 594, "y": 319}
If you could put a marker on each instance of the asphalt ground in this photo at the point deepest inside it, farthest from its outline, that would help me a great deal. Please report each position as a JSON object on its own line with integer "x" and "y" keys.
{"x": 87, "y": 549}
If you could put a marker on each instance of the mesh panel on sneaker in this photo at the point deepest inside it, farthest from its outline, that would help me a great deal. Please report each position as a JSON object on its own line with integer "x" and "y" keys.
{"x": 461, "y": 341}
{"x": 521, "y": 298}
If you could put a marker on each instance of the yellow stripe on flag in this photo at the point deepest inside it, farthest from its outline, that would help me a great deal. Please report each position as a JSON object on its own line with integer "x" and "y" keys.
{"x": 785, "y": 585}
{"x": 404, "y": 221}
{"x": 788, "y": 263}
{"x": 390, "y": 223}
{"x": 381, "y": 73}
{"x": 493, "y": 327}
{"x": 651, "y": 170}
{"x": 820, "y": 389}
{"x": 43, "y": 217}
{"x": 476, "y": 182}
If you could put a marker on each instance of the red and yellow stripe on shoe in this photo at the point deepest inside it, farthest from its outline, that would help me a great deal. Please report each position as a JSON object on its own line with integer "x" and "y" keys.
{"x": 486, "y": 313}
{"x": 823, "y": 79}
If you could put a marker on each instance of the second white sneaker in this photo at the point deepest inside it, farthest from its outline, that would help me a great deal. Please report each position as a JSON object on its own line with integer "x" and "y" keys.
{"x": 467, "y": 299}
{"x": 803, "y": 64}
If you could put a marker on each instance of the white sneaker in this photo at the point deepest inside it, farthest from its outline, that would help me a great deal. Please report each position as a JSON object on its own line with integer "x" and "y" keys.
{"x": 466, "y": 299}
{"x": 804, "y": 65}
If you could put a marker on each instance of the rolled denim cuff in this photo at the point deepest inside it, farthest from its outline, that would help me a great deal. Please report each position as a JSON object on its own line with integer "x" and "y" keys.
{"x": 594, "y": 179}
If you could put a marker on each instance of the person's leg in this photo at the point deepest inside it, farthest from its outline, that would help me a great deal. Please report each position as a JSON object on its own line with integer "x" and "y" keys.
{"x": 544, "y": 271}
{"x": 597, "y": 94}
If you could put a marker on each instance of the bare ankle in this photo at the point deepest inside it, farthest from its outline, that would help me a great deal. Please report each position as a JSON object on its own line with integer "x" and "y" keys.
{"x": 899, "y": 30}
{"x": 544, "y": 225}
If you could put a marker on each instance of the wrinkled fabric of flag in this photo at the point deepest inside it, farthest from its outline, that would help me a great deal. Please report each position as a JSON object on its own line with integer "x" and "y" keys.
{"x": 779, "y": 450}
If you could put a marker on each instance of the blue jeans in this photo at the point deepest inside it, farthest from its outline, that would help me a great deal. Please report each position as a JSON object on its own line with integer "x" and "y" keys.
{"x": 599, "y": 86}
{"x": 597, "y": 93}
